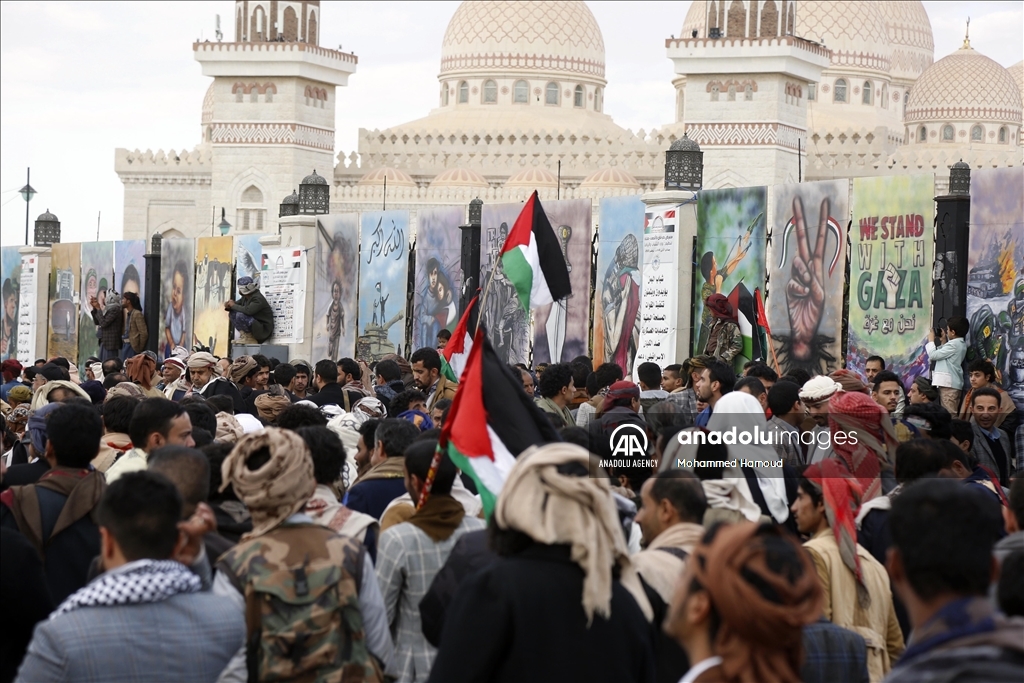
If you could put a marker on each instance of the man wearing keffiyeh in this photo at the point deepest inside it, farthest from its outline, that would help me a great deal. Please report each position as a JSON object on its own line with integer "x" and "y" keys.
{"x": 855, "y": 585}
{"x": 867, "y": 447}
{"x": 146, "y": 595}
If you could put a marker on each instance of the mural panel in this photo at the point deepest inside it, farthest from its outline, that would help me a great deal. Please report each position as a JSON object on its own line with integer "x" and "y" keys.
{"x": 617, "y": 296}
{"x": 335, "y": 294}
{"x": 438, "y": 273}
{"x": 65, "y": 271}
{"x": 213, "y": 288}
{"x": 383, "y": 280}
{"x": 177, "y": 287}
{"x": 97, "y": 278}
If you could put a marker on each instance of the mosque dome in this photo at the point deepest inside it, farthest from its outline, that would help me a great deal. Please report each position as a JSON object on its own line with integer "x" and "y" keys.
{"x": 610, "y": 178}
{"x": 855, "y": 32}
{"x": 910, "y": 34}
{"x": 208, "y": 106}
{"x": 965, "y": 86}
{"x": 459, "y": 177}
{"x": 694, "y": 20}
{"x": 551, "y": 37}
{"x": 395, "y": 177}
{"x": 534, "y": 178}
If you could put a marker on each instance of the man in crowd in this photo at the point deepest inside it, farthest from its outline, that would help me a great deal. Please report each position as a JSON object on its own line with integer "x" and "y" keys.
{"x": 350, "y": 376}
{"x": 741, "y": 603}
{"x": 155, "y": 422}
{"x": 716, "y": 380}
{"x": 437, "y": 414}
{"x": 753, "y": 387}
{"x": 649, "y": 377}
{"x": 886, "y": 390}
{"x": 604, "y": 376}
{"x": 56, "y": 513}
{"x": 11, "y": 370}
{"x": 941, "y": 567}
{"x": 982, "y": 375}
{"x": 271, "y": 471}
{"x": 872, "y": 366}
{"x": 787, "y": 416}
{"x": 300, "y": 382}
{"x": 724, "y": 339}
{"x": 426, "y": 371}
{"x": 252, "y": 313}
{"x": 854, "y": 584}
{"x": 922, "y": 391}
{"x": 764, "y": 373}
{"x": 202, "y": 369}
{"x": 443, "y": 337}
{"x": 815, "y": 396}
{"x": 117, "y": 418}
{"x": 329, "y": 392}
{"x": 387, "y": 381}
{"x": 411, "y": 553}
{"x": 384, "y": 481}
{"x": 146, "y": 613}
{"x": 173, "y": 381}
{"x": 410, "y": 399}
{"x": 991, "y": 444}
{"x": 1013, "y": 517}
{"x": 581, "y": 369}
{"x": 556, "y": 389}
{"x": 672, "y": 379}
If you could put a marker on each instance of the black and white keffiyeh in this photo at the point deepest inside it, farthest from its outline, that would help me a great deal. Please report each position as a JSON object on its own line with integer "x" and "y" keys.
{"x": 145, "y": 581}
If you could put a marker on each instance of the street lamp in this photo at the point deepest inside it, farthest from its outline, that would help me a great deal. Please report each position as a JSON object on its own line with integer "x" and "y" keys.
{"x": 27, "y": 193}
{"x": 314, "y": 195}
{"x": 960, "y": 179}
{"x": 684, "y": 165}
{"x": 224, "y": 226}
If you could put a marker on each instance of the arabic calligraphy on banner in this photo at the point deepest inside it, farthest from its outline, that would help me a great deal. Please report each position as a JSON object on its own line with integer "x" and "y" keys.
{"x": 659, "y": 285}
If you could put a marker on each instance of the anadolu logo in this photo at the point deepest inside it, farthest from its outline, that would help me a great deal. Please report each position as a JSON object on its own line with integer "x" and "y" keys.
{"x": 628, "y": 441}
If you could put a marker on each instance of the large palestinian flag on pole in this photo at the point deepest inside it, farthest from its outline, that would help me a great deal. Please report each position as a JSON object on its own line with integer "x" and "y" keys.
{"x": 532, "y": 259}
{"x": 487, "y": 430}
{"x": 456, "y": 351}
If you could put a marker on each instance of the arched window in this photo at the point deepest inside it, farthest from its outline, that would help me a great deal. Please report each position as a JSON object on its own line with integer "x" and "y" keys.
{"x": 444, "y": 94}
{"x": 258, "y": 32}
{"x": 922, "y": 134}
{"x": 463, "y": 92}
{"x": 252, "y": 195}
{"x": 311, "y": 29}
{"x": 812, "y": 91}
{"x": 839, "y": 94}
{"x": 948, "y": 133}
{"x": 977, "y": 134}
{"x": 291, "y": 25}
{"x": 865, "y": 96}
{"x": 577, "y": 97}
{"x": 732, "y": 93}
{"x": 715, "y": 89}
{"x": 598, "y": 99}
{"x": 906, "y": 96}
{"x": 1002, "y": 135}
{"x": 885, "y": 96}
{"x": 551, "y": 94}
{"x": 521, "y": 92}
{"x": 490, "y": 92}
{"x": 748, "y": 93}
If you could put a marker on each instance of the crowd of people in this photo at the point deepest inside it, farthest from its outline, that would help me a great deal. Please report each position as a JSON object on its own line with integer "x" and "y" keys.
{"x": 229, "y": 519}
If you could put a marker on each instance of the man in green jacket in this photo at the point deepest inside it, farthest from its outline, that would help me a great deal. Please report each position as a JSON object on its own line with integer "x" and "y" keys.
{"x": 251, "y": 313}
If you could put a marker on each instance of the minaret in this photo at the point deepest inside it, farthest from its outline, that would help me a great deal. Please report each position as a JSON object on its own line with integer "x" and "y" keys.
{"x": 272, "y": 113}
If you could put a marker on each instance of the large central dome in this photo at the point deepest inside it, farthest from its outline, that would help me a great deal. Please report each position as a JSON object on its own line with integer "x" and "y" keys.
{"x": 535, "y": 36}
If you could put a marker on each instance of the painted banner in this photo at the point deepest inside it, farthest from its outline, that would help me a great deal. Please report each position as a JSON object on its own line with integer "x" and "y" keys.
{"x": 62, "y": 331}
{"x": 177, "y": 284}
{"x": 731, "y": 261}
{"x": 28, "y": 316}
{"x": 248, "y": 257}
{"x": 619, "y": 265}
{"x": 383, "y": 281}
{"x": 995, "y": 276}
{"x": 507, "y": 324}
{"x": 213, "y": 288}
{"x": 97, "y": 278}
{"x": 562, "y": 329}
{"x": 807, "y": 271}
{"x": 283, "y": 283}
{"x": 130, "y": 268}
{"x": 438, "y": 273}
{"x": 10, "y": 273}
{"x": 890, "y": 273}
{"x": 659, "y": 288}
{"x": 335, "y": 294}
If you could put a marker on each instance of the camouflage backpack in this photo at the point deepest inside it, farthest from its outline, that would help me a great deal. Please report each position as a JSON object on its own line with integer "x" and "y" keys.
{"x": 303, "y": 620}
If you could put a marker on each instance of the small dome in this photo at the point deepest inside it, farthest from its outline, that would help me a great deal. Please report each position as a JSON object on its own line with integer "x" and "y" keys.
{"x": 47, "y": 216}
{"x": 694, "y": 20}
{"x": 961, "y": 165}
{"x": 396, "y": 177}
{"x": 459, "y": 177}
{"x": 533, "y": 177}
{"x": 314, "y": 179}
{"x": 610, "y": 177}
{"x": 293, "y": 198}
{"x": 684, "y": 144}
{"x": 965, "y": 86}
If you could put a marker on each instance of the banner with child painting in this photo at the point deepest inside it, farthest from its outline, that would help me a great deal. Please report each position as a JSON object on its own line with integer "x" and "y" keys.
{"x": 97, "y": 280}
{"x": 335, "y": 293}
{"x": 10, "y": 274}
{"x": 177, "y": 287}
{"x": 890, "y": 273}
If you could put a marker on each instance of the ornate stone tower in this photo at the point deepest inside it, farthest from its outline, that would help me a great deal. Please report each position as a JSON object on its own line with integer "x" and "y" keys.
{"x": 268, "y": 118}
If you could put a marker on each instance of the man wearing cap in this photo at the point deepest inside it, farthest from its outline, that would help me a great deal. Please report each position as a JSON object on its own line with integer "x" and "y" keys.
{"x": 251, "y": 313}
{"x": 923, "y": 391}
{"x": 815, "y": 395}
{"x": 202, "y": 369}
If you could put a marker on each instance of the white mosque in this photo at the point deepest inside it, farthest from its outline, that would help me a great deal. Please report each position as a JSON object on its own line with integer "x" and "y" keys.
{"x": 773, "y": 92}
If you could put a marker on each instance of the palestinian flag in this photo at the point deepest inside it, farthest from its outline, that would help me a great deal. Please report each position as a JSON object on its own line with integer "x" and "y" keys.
{"x": 487, "y": 429}
{"x": 532, "y": 259}
{"x": 456, "y": 351}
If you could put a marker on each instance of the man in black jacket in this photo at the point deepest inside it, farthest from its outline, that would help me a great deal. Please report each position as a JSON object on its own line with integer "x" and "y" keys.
{"x": 251, "y": 313}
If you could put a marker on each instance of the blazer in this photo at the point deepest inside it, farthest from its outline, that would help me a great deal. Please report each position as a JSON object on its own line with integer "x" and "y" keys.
{"x": 138, "y": 332}
{"x": 188, "y": 637}
{"x": 982, "y": 450}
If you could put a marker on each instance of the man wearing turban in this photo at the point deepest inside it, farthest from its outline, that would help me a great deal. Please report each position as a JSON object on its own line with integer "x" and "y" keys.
{"x": 252, "y": 313}
{"x": 724, "y": 339}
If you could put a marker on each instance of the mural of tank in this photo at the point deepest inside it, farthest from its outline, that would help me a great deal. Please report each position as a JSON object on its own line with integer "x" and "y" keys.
{"x": 373, "y": 344}
{"x": 984, "y": 282}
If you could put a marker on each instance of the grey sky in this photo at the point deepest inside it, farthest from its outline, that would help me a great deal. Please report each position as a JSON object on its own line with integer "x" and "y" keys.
{"x": 80, "y": 79}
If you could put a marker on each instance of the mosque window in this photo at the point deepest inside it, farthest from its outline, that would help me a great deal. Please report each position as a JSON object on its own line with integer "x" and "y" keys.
{"x": 551, "y": 93}
{"x": 922, "y": 134}
{"x": 865, "y": 97}
{"x": 1002, "y": 135}
{"x": 463, "y": 92}
{"x": 252, "y": 195}
{"x": 598, "y": 99}
{"x": 444, "y": 94}
{"x": 490, "y": 92}
{"x": 906, "y": 96}
{"x": 715, "y": 89}
{"x": 748, "y": 93}
{"x": 839, "y": 94}
{"x": 732, "y": 93}
{"x": 885, "y": 96}
{"x": 977, "y": 134}
{"x": 239, "y": 95}
{"x": 577, "y": 97}
{"x": 254, "y": 95}
{"x": 948, "y": 133}
{"x": 812, "y": 91}
{"x": 291, "y": 25}
{"x": 521, "y": 92}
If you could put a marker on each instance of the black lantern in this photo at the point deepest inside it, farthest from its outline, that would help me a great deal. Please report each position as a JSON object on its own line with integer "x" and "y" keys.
{"x": 314, "y": 195}
{"x": 47, "y": 230}
{"x": 960, "y": 179}
{"x": 476, "y": 211}
{"x": 684, "y": 165}
{"x": 156, "y": 243}
{"x": 289, "y": 206}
